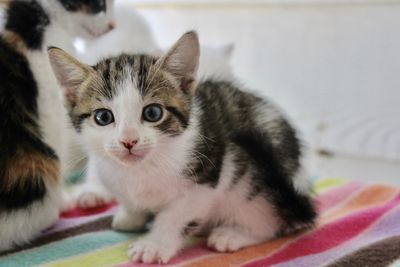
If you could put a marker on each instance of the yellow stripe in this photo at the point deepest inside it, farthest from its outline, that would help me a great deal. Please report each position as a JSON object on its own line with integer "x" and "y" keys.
{"x": 103, "y": 257}
{"x": 327, "y": 183}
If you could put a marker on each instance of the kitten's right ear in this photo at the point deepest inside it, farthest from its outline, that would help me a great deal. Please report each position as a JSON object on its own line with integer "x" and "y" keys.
{"x": 69, "y": 72}
{"x": 182, "y": 60}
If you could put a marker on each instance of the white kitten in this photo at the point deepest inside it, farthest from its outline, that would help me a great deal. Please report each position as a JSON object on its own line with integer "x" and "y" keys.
{"x": 131, "y": 35}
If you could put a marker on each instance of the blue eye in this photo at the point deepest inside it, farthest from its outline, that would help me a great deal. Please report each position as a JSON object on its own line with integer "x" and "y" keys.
{"x": 103, "y": 117}
{"x": 152, "y": 113}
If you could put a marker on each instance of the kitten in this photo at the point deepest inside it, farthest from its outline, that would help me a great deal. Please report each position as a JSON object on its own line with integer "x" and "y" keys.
{"x": 34, "y": 124}
{"x": 132, "y": 35}
{"x": 200, "y": 157}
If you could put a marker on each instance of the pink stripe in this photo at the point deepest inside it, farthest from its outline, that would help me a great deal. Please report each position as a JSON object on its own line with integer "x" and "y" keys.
{"x": 328, "y": 236}
{"x": 196, "y": 251}
{"x": 387, "y": 226}
{"x": 336, "y": 195}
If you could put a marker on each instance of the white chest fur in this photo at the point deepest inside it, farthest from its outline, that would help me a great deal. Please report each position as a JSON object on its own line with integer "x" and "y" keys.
{"x": 143, "y": 188}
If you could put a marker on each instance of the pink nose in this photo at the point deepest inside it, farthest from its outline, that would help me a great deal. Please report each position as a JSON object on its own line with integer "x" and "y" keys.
{"x": 111, "y": 26}
{"x": 128, "y": 144}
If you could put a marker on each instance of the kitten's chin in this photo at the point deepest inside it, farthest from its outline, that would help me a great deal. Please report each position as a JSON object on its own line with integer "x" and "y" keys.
{"x": 130, "y": 159}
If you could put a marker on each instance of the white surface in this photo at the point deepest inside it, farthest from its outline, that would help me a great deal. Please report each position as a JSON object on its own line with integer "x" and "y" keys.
{"x": 351, "y": 168}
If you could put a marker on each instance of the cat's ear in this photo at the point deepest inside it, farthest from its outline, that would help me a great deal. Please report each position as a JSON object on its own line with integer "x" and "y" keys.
{"x": 69, "y": 72}
{"x": 182, "y": 60}
{"x": 227, "y": 50}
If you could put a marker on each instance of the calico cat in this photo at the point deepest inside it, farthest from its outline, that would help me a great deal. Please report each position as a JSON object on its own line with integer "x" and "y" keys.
{"x": 205, "y": 157}
{"x": 34, "y": 124}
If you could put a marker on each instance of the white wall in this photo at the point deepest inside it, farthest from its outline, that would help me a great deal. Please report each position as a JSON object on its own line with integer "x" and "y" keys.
{"x": 334, "y": 66}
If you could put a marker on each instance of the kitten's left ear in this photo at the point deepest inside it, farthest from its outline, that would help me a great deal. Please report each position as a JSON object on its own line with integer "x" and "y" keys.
{"x": 182, "y": 60}
{"x": 70, "y": 73}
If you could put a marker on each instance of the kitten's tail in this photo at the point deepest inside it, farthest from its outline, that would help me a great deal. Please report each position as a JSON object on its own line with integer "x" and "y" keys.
{"x": 294, "y": 208}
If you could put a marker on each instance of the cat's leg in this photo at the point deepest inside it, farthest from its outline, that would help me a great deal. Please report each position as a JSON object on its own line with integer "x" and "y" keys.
{"x": 171, "y": 225}
{"x": 67, "y": 201}
{"x": 231, "y": 238}
{"x": 248, "y": 222}
{"x": 127, "y": 220}
{"x": 92, "y": 193}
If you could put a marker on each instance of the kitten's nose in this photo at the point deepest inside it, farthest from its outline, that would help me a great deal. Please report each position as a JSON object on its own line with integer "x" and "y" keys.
{"x": 111, "y": 26}
{"x": 128, "y": 144}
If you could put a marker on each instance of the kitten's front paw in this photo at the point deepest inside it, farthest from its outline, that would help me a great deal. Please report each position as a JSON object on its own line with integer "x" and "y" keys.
{"x": 67, "y": 201}
{"x": 150, "y": 251}
{"x": 88, "y": 200}
{"x": 226, "y": 239}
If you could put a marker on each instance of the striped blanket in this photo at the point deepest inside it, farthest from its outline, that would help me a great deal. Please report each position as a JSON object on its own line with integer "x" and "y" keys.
{"x": 359, "y": 225}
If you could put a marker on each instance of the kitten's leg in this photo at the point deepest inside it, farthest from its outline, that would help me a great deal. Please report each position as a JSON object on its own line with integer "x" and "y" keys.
{"x": 250, "y": 222}
{"x": 168, "y": 232}
{"x": 92, "y": 193}
{"x": 126, "y": 220}
{"x": 230, "y": 239}
{"x": 67, "y": 201}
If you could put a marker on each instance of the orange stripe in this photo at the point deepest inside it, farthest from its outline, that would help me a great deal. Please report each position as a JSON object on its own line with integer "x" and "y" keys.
{"x": 229, "y": 259}
{"x": 369, "y": 196}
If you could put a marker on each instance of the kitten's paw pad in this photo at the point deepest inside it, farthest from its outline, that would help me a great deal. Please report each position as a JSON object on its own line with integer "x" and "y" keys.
{"x": 148, "y": 251}
{"x": 88, "y": 200}
{"x": 122, "y": 222}
{"x": 228, "y": 240}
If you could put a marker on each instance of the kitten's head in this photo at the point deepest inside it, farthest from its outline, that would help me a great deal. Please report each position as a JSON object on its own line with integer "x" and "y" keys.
{"x": 129, "y": 107}
{"x": 86, "y": 18}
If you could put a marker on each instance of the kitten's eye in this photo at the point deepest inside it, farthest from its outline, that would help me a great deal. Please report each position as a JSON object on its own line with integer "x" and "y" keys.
{"x": 103, "y": 117}
{"x": 152, "y": 113}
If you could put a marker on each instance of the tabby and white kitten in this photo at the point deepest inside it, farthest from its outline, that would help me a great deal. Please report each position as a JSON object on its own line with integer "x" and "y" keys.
{"x": 34, "y": 124}
{"x": 200, "y": 157}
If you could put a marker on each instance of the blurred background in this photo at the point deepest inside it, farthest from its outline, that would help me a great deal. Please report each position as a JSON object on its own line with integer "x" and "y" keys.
{"x": 332, "y": 65}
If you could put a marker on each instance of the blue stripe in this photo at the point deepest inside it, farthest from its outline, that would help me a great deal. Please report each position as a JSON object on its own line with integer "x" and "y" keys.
{"x": 65, "y": 248}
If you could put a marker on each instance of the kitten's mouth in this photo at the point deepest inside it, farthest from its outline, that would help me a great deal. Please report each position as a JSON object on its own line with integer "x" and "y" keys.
{"x": 132, "y": 156}
{"x": 93, "y": 33}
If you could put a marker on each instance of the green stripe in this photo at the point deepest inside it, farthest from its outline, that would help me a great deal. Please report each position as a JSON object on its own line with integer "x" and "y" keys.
{"x": 327, "y": 183}
{"x": 66, "y": 248}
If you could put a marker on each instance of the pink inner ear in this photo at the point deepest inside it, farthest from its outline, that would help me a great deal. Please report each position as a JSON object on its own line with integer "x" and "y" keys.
{"x": 70, "y": 95}
{"x": 187, "y": 84}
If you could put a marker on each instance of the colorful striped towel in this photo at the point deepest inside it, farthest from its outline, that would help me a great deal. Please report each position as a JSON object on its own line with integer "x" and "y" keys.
{"x": 359, "y": 225}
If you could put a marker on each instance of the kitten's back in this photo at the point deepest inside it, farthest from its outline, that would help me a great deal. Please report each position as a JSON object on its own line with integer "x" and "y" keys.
{"x": 255, "y": 134}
